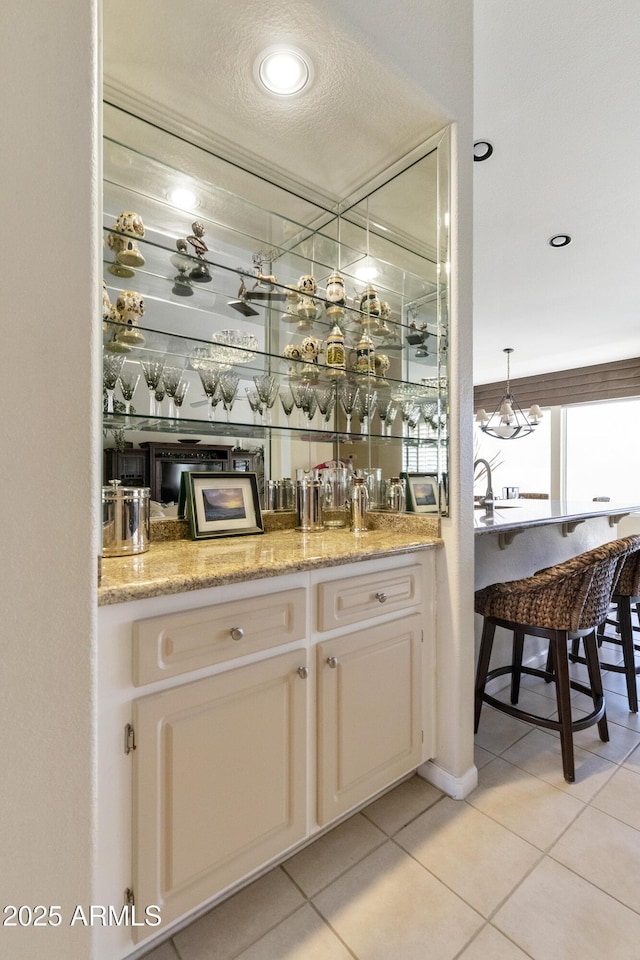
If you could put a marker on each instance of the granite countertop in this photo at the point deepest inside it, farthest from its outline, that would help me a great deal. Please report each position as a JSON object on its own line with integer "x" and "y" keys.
{"x": 178, "y": 566}
{"x": 518, "y": 514}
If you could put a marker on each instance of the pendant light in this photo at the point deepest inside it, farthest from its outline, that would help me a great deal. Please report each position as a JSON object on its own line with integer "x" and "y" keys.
{"x": 508, "y": 421}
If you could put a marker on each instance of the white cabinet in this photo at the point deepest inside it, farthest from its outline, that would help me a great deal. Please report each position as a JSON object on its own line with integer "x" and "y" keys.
{"x": 369, "y": 712}
{"x": 219, "y": 780}
{"x": 248, "y": 745}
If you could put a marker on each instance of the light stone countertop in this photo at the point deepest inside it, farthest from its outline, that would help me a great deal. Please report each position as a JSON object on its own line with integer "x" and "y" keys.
{"x": 178, "y": 566}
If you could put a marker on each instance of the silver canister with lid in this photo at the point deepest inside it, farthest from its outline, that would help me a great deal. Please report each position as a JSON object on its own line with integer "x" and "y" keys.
{"x": 125, "y": 519}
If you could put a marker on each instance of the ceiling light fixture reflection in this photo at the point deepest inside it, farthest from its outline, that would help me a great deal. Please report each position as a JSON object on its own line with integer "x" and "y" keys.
{"x": 366, "y": 274}
{"x": 284, "y": 71}
{"x": 508, "y": 421}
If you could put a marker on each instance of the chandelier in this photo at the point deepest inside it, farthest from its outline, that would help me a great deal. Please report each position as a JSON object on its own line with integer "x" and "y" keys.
{"x": 508, "y": 421}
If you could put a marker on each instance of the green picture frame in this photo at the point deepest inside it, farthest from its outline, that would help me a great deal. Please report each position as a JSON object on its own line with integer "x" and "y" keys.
{"x": 424, "y": 492}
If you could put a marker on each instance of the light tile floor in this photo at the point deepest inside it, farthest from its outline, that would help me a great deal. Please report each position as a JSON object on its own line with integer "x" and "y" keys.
{"x": 527, "y": 866}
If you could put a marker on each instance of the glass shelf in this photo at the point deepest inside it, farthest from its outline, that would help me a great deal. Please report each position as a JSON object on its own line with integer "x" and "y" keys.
{"x": 376, "y": 232}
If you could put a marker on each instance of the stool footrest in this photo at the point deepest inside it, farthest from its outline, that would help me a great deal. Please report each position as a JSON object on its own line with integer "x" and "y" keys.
{"x": 581, "y": 724}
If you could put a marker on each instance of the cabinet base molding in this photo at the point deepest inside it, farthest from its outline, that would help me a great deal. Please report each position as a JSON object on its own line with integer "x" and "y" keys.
{"x": 458, "y": 788}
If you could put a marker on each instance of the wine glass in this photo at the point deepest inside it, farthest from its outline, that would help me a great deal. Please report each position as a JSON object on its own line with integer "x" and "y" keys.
{"x": 310, "y": 404}
{"x": 159, "y": 396}
{"x": 214, "y": 400}
{"x": 179, "y": 394}
{"x": 383, "y": 411}
{"x": 111, "y": 367}
{"x": 254, "y": 402}
{"x": 328, "y": 413}
{"x": 392, "y": 413}
{"x": 367, "y": 408}
{"x": 229, "y": 390}
{"x": 349, "y": 396}
{"x": 299, "y": 392}
{"x": 286, "y": 399}
{"x": 152, "y": 370}
{"x": 267, "y": 387}
{"x": 128, "y": 384}
{"x": 171, "y": 378}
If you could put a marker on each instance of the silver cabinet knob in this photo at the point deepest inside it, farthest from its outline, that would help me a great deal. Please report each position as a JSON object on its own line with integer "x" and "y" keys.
{"x": 381, "y": 597}
{"x": 333, "y": 662}
{"x": 303, "y": 672}
{"x": 237, "y": 633}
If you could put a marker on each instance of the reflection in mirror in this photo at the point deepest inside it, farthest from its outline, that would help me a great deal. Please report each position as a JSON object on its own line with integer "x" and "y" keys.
{"x": 343, "y": 311}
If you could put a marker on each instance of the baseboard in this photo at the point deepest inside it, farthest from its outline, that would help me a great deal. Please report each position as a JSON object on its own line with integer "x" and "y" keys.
{"x": 455, "y": 787}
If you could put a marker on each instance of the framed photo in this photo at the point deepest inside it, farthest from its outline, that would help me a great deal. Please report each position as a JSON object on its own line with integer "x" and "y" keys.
{"x": 221, "y": 504}
{"x": 423, "y": 492}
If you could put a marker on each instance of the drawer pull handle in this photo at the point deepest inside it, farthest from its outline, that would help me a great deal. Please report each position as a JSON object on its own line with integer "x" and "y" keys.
{"x": 381, "y": 597}
{"x": 303, "y": 672}
{"x": 237, "y": 633}
{"x": 333, "y": 662}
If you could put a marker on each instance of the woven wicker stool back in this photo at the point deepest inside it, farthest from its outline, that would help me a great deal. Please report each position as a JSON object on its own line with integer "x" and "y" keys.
{"x": 568, "y": 598}
{"x": 573, "y": 595}
{"x": 626, "y": 594}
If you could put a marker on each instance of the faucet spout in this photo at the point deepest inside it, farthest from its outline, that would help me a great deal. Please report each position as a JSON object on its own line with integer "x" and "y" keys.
{"x": 487, "y": 501}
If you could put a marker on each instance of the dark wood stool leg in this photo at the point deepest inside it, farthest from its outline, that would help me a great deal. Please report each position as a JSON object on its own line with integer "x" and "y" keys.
{"x": 575, "y": 649}
{"x": 518, "y": 649}
{"x": 486, "y": 645}
{"x": 549, "y": 668}
{"x": 626, "y": 639}
{"x": 590, "y": 644}
{"x": 563, "y": 699}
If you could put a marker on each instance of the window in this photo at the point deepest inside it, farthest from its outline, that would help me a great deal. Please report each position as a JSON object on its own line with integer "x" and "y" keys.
{"x": 602, "y": 450}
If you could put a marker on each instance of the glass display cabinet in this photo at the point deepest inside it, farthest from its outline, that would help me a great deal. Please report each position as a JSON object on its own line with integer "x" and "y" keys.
{"x": 240, "y": 314}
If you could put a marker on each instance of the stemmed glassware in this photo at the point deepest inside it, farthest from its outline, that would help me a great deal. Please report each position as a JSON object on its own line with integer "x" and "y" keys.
{"x": 179, "y": 394}
{"x": 111, "y": 367}
{"x": 328, "y": 413}
{"x": 254, "y": 402}
{"x": 152, "y": 369}
{"x": 389, "y": 418}
{"x": 299, "y": 392}
{"x": 229, "y": 390}
{"x": 267, "y": 387}
{"x": 348, "y": 396}
{"x": 159, "y": 396}
{"x": 171, "y": 378}
{"x": 128, "y": 384}
{"x": 310, "y": 405}
{"x": 286, "y": 399}
{"x": 209, "y": 377}
{"x": 214, "y": 400}
{"x": 367, "y": 408}
{"x": 326, "y": 397}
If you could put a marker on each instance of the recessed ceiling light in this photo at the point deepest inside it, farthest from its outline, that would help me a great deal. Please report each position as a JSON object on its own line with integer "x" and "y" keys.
{"x": 284, "y": 71}
{"x": 559, "y": 240}
{"x": 482, "y": 150}
{"x": 183, "y": 198}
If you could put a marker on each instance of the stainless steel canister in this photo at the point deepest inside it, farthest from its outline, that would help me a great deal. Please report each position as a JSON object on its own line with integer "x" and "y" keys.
{"x": 125, "y": 520}
{"x": 310, "y": 504}
{"x": 358, "y": 505}
{"x": 396, "y": 499}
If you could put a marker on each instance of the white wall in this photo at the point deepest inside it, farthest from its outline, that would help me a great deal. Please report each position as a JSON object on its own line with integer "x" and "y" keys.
{"x": 49, "y": 297}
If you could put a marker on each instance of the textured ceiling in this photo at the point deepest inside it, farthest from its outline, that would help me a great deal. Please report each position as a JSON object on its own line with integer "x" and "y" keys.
{"x": 556, "y": 91}
{"x": 192, "y": 62}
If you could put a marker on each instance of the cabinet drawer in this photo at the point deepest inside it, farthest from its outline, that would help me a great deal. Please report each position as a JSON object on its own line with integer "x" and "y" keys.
{"x": 176, "y": 643}
{"x": 347, "y": 601}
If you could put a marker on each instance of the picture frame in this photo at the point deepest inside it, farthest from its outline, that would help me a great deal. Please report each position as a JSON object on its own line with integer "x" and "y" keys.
{"x": 221, "y": 504}
{"x": 424, "y": 492}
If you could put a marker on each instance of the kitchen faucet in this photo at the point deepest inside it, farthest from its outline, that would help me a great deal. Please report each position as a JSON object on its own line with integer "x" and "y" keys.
{"x": 487, "y": 501}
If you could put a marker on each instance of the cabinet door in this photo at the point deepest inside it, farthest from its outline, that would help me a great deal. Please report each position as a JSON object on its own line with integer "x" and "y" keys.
{"x": 369, "y": 710}
{"x": 219, "y": 780}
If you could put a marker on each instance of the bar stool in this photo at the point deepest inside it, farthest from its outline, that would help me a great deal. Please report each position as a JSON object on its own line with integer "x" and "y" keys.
{"x": 626, "y": 594}
{"x": 570, "y": 597}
